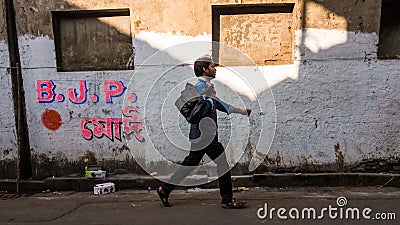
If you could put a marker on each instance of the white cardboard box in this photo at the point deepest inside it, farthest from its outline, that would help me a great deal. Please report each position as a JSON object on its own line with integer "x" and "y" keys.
{"x": 104, "y": 188}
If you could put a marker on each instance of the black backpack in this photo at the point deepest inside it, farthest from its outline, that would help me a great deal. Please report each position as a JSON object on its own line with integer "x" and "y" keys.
{"x": 191, "y": 104}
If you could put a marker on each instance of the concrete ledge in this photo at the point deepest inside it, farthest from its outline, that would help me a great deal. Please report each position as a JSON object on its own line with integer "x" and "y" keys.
{"x": 129, "y": 181}
{"x": 25, "y": 186}
{"x": 326, "y": 180}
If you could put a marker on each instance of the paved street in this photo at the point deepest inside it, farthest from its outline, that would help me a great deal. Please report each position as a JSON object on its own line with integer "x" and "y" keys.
{"x": 201, "y": 206}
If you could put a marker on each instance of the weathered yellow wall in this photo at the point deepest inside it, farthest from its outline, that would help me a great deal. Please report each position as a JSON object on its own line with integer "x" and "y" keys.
{"x": 266, "y": 38}
{"x": 351, "y": 15}
{"x": 194, "y": 17}
{"x": 186, "y": 17}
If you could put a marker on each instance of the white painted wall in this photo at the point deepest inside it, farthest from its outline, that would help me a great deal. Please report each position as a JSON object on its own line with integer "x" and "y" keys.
{"x": 343, "y": 95}
{"x": 350, "y": 102}
{"x": 336, "y": 92}
{"x": 8, "y": 146}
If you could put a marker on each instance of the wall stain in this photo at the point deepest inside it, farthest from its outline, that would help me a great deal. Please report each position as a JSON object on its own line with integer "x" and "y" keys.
{"x": 339, "y": 157}
{"x": 6, "y": 152}
{"x": 273, "y": 160}
{"x": 120, "y": 150}
{"x": 43, "y": 158}
{"x": 249, "y": 148}
{"x": 45, "y": 167}
{"x": 70, "y": 114}
{"x": 137, "y": 24}
{"x": 89, "y": 157}
{"x": 391, "y": 165}
{"x": 106, "y": 111}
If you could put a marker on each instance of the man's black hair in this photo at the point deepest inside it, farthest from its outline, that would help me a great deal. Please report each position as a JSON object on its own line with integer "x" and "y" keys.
{"x": 200, "y": 63}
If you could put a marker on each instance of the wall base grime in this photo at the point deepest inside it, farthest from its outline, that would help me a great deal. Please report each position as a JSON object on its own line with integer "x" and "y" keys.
{"x": 8, "y": 169}
{"x": 391, "y": 165}
{"x": 44, "y": 167}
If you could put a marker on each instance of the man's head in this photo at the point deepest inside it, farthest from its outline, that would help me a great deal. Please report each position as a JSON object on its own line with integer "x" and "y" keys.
{"x": 204, "y": 66}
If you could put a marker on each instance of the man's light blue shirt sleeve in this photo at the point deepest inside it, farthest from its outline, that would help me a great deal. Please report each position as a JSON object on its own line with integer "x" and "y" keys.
{"x": 226, "y": 107}
{"x": 223, "y": 106}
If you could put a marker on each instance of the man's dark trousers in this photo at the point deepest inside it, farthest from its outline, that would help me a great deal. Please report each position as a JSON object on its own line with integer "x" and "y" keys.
{"x": 216, "y": 152}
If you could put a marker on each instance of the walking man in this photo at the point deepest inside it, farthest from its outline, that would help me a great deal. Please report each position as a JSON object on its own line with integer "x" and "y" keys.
{"x": 204, "y": 138}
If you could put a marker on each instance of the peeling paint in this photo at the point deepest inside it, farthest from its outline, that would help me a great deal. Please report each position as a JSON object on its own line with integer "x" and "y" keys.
{"x": 274, "y": 160}
{"x": 89, "y": 157}
{"x": 106, "y": 111}
{"x": 6, "y": 152}
{"x": 71, "y": 113}
{"x": 339, "y": 157}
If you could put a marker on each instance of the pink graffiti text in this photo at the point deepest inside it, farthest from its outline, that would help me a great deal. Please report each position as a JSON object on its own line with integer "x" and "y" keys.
{"x": 78, "y": 98}
{"x": 111, "y": 127}
{"x": 113, "y": 88}
{"x": 46, "y": 92}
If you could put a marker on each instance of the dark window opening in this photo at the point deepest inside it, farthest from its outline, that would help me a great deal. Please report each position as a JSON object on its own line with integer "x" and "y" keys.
{"x": 93, "y": 40}
{"x": 389, "y": 34}
{"x": 261, "y": 32}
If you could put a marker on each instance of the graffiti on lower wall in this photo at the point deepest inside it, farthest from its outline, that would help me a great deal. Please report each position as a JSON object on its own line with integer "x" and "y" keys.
{"x": 111, "y": 127}
{"x": 96, "y": 127}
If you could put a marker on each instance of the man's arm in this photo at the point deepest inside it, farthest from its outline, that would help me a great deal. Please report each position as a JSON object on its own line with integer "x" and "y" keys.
{"x": 242, "y": 111}
{"x": 219, "y": 104}
{"x": 225, "y": 107}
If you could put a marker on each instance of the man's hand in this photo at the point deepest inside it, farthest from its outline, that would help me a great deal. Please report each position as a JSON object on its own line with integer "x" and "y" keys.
{"x": 210, "y": 90}
{"x": 243, "y": 111}
{"x": 248, "y": 110}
